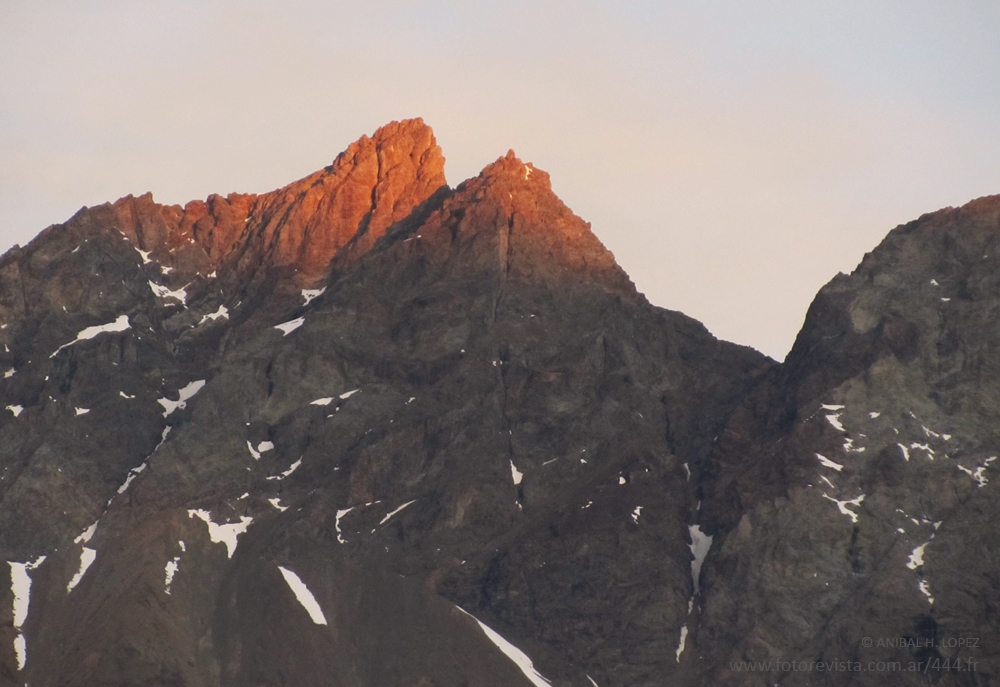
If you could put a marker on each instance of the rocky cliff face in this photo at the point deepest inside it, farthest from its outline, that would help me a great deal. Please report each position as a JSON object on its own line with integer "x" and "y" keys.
{"x": 371, "y": 430}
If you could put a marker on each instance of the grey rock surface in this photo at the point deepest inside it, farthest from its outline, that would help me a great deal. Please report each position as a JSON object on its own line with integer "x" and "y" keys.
{"x": 441, "y": 410}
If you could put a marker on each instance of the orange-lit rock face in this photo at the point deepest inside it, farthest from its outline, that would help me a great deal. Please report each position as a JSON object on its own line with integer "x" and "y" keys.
{"x": 378, "y": 180}
{"x": 375, "y": 182}
{"x": 537, "y": 238}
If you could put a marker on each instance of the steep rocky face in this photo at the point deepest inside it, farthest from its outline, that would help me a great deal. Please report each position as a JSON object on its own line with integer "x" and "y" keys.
{"x": 861, "y": 504}
{"x": 368, "y": 430}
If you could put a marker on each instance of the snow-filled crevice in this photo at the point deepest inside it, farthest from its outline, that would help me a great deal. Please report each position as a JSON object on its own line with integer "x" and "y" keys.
{"x": 20, "y": 579}
{"x": 303, "y": 596}
{"x": 520, "y": 659}
{"x": 226, "y": 533}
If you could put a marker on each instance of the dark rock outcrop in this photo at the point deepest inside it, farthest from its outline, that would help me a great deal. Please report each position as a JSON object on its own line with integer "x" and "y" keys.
{"x": 424, "y": 404}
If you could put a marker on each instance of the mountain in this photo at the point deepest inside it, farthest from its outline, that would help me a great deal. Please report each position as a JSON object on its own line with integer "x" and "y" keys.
{"x": 371, "y": 430}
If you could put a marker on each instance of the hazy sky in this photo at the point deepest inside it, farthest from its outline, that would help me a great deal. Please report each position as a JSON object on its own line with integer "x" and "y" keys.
{"x": 735, "y": 155}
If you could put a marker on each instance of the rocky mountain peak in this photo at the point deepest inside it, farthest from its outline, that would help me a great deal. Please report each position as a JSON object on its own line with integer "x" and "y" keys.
{"x": 369, "y": 430}
{"x": 297, "y": 229}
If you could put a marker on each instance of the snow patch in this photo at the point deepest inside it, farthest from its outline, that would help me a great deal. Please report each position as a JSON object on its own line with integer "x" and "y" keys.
{"x": 227, "y": 533}
{"x": 926, "y": 589}
{"x": 700, "y": 545}
{"x": 87, "y": 557}
{"x": 515, "y": 474}
{"x": 15, "y": 409}
{"x": 336, "y": 524}
{"x": 835, "y": 421}
{"x": 906, "y": 452}
{"x": 132, "y": 474}
{"x": 519, "y": 658}
{"x": 183, "y": 396}
{"x": 874, "y": 414}
{"x": 309, "y": 294}
{"x": 292, "y": 468}
{"x": 680, "y": 646}
{"x": 119, "y": 325}
{"x": 979, "y": 474}
{"x": 348, "y": 394}
{"x": 290, "y": 326}
{"x": 636, "y": 513}
{"x": 276, "y": 502}
{"x": 222, "y": 312}
{"x": 827, "y": 463}
{"x": 87, "y": 534}
{"x": 322, "y": 401}
{"x": 389, "y": 515}
{"x": 168, "y": 573}
{"x": 124, "y": 395}
{"x": 11, "y": 372}
{"x": 842, "y": 506}
{"x": 165, "y": 292}
{"x": 303, "y": 595}
{"x": 917, "y": 557}
{"x": 82, "y": 411}
{"x": 21, "y": 589}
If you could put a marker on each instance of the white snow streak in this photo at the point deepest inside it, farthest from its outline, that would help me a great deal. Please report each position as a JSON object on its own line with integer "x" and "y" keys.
{"x": 11, "y": 372}
{"x": 276, "y": 502}
{"x": 336, "y": 524}
{"x": 119, "y": 325}
{"x": 917, "y": 557}
{"x": 827, "y": 463}
{"x": 15, "y": 409}
{"x": 227, "y": 533}
{"x": 843, "y": 506}
{"x": 131, "y": 476}
{"x": 292, "y": 468}
{"x": 168, "y": 573}
{"x": 87, "y": 557}
{"x": 515, "y": 474}
{"x": 925, "y": 587}
{"x": 309, "y": 294}
{"x": 165, "y": 292}
{"x": 222, "y": 312}
{"x": 389, "y": 515}
{"x": 980, "y": 473}
{"x": 183, "y": 396}
{"x": 87, "y": 534}
{"x": 21, "y": 589}
{"x": 303, "y": 595}
{"x": 82, "y": 411}
{"x": 348, "y": 394}
{"x": 700, "y": 545}
{"x": 680, "y": 645}
{"x": 519, "y": 658}
{"x": 835, "y": 421}
{"x": 322, "y": 401}
{"x": 636, "y": 513}
{"x": 290, "y": 326}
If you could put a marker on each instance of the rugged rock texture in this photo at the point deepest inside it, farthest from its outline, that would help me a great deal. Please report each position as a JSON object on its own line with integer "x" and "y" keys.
{"x": 428, "y": 404}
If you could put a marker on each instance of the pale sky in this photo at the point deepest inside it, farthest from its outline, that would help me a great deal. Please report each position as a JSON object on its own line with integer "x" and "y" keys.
{"x": 733, "y": 154}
